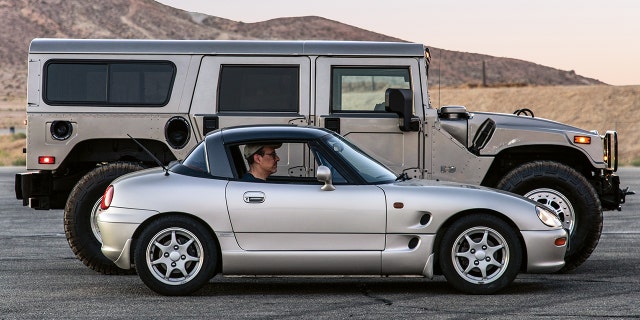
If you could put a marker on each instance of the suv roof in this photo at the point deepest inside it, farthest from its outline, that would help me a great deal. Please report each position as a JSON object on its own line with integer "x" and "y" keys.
{"x": 252, "y": 47}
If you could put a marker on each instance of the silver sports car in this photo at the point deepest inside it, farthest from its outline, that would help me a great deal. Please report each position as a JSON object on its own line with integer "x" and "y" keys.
{"x": 326, "y": 208}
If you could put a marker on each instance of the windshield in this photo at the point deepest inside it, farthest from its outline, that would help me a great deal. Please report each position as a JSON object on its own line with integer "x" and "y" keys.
{"x": 369, "y": 169}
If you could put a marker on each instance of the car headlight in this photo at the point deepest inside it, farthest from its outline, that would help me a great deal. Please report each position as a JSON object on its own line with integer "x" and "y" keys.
{"x": 548, "y": 218}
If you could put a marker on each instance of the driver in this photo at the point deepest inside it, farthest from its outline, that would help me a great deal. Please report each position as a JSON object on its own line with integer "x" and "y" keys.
{"x": 262, "y": 160}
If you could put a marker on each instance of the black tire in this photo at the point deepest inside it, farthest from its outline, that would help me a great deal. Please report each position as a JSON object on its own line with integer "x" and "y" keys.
{"x": 175, "y": 256}
{"x": 570, "y": 196}
{"x": 80, "y": 225}
{"x": 486, "y": 263}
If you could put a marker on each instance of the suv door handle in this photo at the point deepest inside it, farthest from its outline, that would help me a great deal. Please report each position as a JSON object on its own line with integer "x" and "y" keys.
{"x": 253, "y": 197}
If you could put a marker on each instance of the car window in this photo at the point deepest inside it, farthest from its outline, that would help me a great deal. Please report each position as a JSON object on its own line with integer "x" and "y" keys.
{"x": 298, "y": 163}
{"x": 322, "y": 160}
{"x": 363, "y": 89}
{"x": 197, "y": 159}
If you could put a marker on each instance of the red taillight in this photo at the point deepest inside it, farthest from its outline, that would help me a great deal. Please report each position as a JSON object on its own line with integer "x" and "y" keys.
{"x": 106, "y": 198}
{"x": 46, "y": 160}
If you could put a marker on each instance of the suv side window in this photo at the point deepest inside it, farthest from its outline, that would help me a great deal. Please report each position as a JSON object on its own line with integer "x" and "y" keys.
{"x": 259, "y": 88}
{"x": 108, "y": 83}
{"x": 363, "y": 89}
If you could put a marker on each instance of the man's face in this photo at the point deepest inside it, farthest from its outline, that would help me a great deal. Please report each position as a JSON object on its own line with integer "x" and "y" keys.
{"x": 269, "y": 160}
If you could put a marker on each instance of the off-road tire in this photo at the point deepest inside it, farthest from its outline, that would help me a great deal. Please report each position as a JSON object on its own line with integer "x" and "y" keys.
{"x": 564, "y": 180}
{"x": 78, "y": 216}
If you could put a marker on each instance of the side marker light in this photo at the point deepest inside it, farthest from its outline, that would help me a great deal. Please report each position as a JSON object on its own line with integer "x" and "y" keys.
{"x": 560, "y": 242}
{"x": 582, "y": 140}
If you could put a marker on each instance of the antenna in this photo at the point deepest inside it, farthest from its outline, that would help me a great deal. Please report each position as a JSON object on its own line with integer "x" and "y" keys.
{"x": 166, "y": 171}
{"x": 439, "y": 72}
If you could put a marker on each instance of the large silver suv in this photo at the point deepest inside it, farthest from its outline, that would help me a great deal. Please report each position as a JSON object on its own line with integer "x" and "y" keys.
{"x": 86, "y": 97}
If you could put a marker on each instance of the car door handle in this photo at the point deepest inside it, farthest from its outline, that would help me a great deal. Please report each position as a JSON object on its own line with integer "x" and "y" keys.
{"x": 253, "y": 197}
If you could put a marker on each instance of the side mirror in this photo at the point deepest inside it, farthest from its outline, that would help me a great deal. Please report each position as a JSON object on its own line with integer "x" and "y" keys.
{"x": 324, "y": 175}
{"x": 400, "y": 101}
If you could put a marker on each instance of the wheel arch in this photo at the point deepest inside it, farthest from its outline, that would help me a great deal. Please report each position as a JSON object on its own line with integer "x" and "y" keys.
{"x": 445, "y": 226}
{"x": 509, "y": 159}
{"x": 111, "y": 150}
{"x": 144, "y": 224}
{"x": 90, "y": 154}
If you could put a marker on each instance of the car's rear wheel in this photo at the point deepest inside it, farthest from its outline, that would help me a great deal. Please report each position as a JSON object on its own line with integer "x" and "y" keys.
{"x": 480, "y": 254}
{"x": 567, "y": 193}
{"x": 175, "y": 255}
{"x": 80, "y": 216}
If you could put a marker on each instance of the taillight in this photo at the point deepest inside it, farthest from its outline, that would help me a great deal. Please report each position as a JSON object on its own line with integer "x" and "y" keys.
{"x": 106, "y": 198}
{"x": 46, "y": 160}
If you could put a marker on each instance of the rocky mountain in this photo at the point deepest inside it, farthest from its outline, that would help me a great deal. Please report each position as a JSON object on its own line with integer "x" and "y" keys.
{"x": 23, "y": 20}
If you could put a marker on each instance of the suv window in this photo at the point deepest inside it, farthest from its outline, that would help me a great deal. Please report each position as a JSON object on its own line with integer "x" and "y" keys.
{"x": 108, "y": 83}
{"x": 259, "y": 88}
{"x": 363, "y": 89}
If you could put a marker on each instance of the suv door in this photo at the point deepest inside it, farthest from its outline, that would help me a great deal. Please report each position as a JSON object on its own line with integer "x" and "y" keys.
{"x": 351, "y": 100}
{"x": 234, "y": 91}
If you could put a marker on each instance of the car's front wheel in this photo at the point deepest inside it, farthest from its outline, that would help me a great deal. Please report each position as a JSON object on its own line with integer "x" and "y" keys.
{"x": 480, "y": 254}
{"x": 175, "y": 255}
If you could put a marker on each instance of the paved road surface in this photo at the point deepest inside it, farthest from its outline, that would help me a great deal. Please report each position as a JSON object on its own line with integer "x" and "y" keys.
{"x": 41, "y": 279}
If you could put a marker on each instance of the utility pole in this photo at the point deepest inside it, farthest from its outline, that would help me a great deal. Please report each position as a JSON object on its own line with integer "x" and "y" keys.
{"x": 484, "y": 73}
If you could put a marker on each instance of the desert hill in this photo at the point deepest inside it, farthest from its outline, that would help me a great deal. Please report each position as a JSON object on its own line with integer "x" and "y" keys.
{"x": 455, "y": 77}
{"x": 23, "y": 20}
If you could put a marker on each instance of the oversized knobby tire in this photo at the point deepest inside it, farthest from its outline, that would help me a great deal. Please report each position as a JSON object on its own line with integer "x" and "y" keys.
{"x": 480, "y": 254}
{"x": 80, "y": 216}
{"x": 175, "y": 255}
{"x": 567, "y": 193}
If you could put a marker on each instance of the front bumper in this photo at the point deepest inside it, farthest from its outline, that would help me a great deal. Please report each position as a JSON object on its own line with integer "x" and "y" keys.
{"x": 611, "y": 196}
{"x": 543, "y": 256}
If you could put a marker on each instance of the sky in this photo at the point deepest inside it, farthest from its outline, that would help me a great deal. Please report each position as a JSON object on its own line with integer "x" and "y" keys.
{"x": 598, "y": 39}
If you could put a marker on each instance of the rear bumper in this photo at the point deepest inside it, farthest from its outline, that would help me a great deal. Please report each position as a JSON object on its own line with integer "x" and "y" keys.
{"x": 117, "y": 227}
{"x": 34, "y": 189}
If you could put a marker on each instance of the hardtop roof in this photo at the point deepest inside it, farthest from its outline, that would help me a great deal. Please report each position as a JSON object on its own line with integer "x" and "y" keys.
{"x": 269, "y": 132}
{"x": 238, "y": 47}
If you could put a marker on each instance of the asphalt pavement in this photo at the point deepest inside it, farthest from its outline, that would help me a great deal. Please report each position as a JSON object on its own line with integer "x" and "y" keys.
{"x": 40, "y": 278}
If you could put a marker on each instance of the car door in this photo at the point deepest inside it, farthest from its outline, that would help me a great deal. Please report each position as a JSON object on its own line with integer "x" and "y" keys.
{"x": 274, "y": 216}
{"x": 351, "y": 99}
{"x": 293, "y": 213}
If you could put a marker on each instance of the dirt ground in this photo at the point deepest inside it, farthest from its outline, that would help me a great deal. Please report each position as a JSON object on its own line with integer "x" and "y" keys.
{"x": 12, "y": 113}
{"x": 599, "y": 108}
